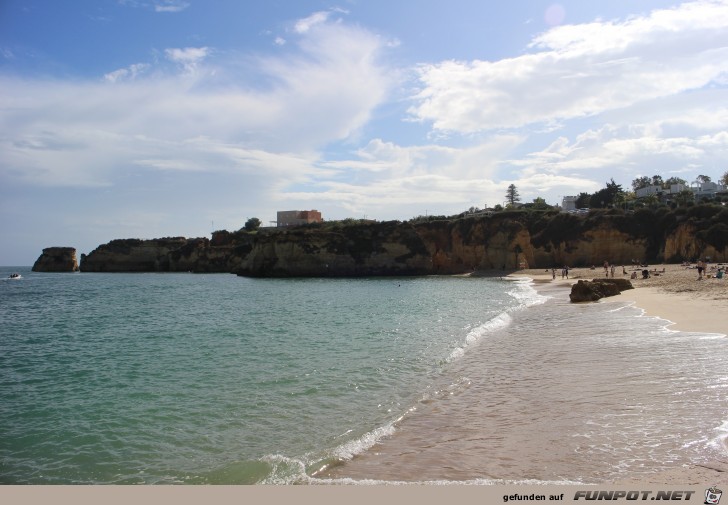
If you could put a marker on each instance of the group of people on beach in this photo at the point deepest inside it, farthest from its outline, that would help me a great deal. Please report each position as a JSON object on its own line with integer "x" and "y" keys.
{"x": 564, "y": 272}
{"x": 702, "y": 267}
{"x": 609, "y": 269}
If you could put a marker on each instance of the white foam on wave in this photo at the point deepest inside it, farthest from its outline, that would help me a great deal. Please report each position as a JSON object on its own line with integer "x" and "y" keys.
{"x": 526, "y": 294}
{"x": 350, "y": 449}
{"x": 500, "y": 321}
{"x": 720, "y": 442}
{"x": 284, "y": 470}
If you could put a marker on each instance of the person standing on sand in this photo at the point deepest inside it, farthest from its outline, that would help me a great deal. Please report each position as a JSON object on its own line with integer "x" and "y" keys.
{"x": 606, "y": 268}
{"x": 701, "y": 267}
{"x": 553, "y": 274}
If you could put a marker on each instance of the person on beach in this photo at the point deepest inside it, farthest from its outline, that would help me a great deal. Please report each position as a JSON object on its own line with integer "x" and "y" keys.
{"x": 701, "y": 268}
{"x": 606, "y": 268}
{"x": 612, "y": 271}
{"x": 553, "y": 274}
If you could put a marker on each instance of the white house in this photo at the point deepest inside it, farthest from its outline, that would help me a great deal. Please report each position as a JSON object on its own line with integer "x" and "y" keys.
{"x": 648, "y": 190}
{"x": 568, "y": 203}
{"x": 706, "y": 189}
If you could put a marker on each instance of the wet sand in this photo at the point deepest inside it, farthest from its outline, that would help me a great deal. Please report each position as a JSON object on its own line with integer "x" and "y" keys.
{"x": 673, "y": 293}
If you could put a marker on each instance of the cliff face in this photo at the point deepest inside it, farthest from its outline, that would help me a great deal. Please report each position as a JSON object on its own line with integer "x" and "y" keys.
{"x": 594, "y": 247}
{"x": 56, "y": 259}
{"x": 176, "y": 254}
{"x": 354, "y": 250}
{"x": 476, "y": 244}
{"x": 132, "y": 255}
{"x": 508, "y": 240}
{"x": 688, "y": 242}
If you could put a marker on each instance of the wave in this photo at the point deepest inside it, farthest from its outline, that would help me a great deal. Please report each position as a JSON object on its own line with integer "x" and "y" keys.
{"x": 500, "y": 321}
{"x": 526, "y": 294}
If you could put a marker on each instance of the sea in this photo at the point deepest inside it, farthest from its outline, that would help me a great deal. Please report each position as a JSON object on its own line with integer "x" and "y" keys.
{"x": 167, "y": 378}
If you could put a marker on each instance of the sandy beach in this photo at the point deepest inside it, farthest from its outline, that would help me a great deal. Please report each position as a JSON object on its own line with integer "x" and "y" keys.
{"x": 674, "y": 293}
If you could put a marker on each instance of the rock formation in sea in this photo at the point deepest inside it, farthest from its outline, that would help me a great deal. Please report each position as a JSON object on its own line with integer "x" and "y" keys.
{"x": 56, "y": 259}
{"x": 506, "y": 240}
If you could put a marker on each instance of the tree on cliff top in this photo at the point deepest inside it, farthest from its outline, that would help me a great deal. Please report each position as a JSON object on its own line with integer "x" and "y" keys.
{"x": 675, "y": 180}
{"x": 641, "y": 182}
{"x": 512, "y": 196}
{"x": 252, "y": 224}
{"x": 702, "y": 179}
{"x": 605, "y": 197}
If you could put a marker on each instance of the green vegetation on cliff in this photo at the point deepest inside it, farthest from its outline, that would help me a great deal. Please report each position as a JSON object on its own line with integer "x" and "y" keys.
{"x": 540, "y": 238}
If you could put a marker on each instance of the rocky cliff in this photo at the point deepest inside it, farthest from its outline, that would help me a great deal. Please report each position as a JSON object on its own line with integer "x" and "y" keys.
{"x": 56, "y": 259}
{"x": 504, "y": 241}
{"x": 174, "y": 254}
{"x": 369, "y": 249}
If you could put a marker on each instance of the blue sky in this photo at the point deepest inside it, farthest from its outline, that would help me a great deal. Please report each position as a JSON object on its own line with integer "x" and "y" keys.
{"x": 153, "y": 118}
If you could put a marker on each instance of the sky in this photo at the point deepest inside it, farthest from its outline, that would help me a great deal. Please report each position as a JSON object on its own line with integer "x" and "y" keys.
{"x": 158, "y": 118}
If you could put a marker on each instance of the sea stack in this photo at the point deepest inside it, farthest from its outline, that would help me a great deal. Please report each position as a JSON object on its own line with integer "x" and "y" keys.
{"x": 56, "y": 259}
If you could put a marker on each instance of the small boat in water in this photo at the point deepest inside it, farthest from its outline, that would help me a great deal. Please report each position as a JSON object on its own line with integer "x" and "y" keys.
{"x": 15, "y": 276}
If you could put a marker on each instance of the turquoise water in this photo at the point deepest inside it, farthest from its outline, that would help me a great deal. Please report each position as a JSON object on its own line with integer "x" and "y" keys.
{"x": 182, "y": 378}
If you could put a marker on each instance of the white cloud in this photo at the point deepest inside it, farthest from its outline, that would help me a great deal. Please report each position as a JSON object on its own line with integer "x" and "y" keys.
{"x": 580, "y": 70}
{"x": 628, "y": 151}
{"x": 130, "y": 72}
{"x": 304, "y": 25}
{"x": 404, "y": 180}
{"x": 320, "y": 18}
{"x": 232, "y": 115}
{"x": 170, "y": 5}
{"x": 158, "y": 5}
{"x": 188, "y": 58}
{"x": 269, "y": 129}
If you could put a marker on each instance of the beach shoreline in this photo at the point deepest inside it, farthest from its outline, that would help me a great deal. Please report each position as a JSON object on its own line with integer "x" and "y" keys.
{"x": 672, "y": 293}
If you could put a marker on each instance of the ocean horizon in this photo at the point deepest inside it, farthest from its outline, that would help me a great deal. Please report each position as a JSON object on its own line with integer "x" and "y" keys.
{"x": 217, "y": 379}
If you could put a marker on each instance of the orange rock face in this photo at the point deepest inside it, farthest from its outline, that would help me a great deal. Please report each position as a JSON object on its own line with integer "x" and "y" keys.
{"x": 56, "y": 259}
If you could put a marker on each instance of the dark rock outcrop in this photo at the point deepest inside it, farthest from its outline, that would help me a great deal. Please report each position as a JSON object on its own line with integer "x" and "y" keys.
{"x": 56, "y": 259}
{"x": 622, "y": 284}
{"x": 591, "y": 291}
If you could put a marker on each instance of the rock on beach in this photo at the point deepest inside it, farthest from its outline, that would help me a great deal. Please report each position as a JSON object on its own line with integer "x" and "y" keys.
{"x": 591, "y": 291}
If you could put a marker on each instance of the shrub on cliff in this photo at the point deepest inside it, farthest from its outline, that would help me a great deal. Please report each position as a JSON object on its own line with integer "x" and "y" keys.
{"x": 252, "y": 224}
{"x": 557, "y": 230}
{"x": 716, "y": 236}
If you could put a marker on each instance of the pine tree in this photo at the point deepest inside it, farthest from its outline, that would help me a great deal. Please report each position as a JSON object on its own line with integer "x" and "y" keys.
{"x": 512, "y": 196}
